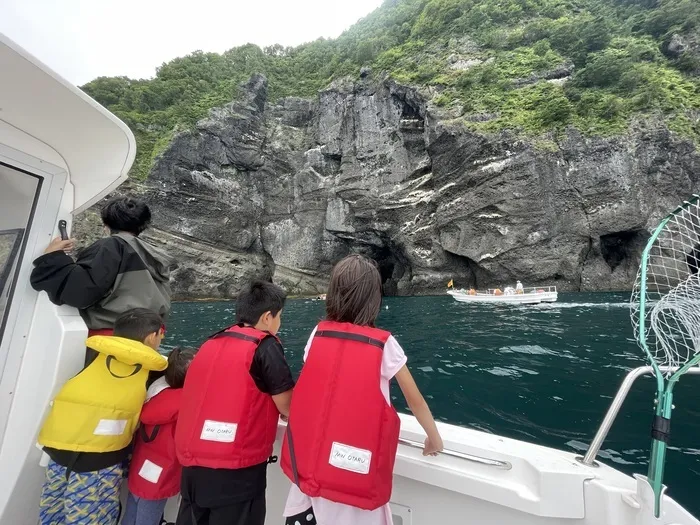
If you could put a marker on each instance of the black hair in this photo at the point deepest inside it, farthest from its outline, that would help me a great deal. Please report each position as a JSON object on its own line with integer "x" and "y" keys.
{"x": 126, "y": 214}
{"x": 256, "y": 299}
{"x": 178, "y": 362}
{"x": 137, "y": 324}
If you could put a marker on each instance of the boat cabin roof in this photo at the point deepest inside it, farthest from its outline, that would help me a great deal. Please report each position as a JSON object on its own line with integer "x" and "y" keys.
{"x": 96, "y": 146}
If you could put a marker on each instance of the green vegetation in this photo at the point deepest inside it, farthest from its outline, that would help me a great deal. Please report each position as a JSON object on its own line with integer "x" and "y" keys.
{"x": 529, "y": 65}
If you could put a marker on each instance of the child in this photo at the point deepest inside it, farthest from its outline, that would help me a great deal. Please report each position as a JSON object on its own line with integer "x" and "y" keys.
{"x": 154, "y": 474}
{"x": 237, "y": 386}
{"x": 343, "y": 433}
{"x": 92, "y": 419}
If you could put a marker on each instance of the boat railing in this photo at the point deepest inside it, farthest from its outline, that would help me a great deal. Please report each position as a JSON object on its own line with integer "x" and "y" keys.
{"x": 611, "y": 415}
{"x": 492, "y": 291}
{"x": 497, "y": 463}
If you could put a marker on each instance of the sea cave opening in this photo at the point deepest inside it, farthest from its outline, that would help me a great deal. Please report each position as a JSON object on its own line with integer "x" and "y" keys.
{"x": 619, "y": 247}
{"x": 392, "y": 266}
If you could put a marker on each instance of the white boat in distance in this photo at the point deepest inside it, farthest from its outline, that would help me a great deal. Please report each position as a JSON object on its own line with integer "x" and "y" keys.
{"x": 547, "y": 294}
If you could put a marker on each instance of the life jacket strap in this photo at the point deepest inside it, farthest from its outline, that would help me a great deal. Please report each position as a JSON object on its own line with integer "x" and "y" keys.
{"x": 292, "y": 455}
{"x": 352, "y": 337}
{"x": 110, "y": 358}
{"x": 144, "y": 435}
{"x": 238, "y": 335}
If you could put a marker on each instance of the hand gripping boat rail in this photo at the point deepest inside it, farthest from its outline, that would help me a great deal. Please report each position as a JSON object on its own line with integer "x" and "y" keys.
{"x": 505, "y": 465}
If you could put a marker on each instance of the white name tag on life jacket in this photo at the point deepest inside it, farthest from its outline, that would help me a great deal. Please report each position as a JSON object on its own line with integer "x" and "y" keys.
{"x": 110, "y": 427}
{"x": 218, "y": 431}
{"x": 350, "y": 458}
{"x": 150, "y": 471}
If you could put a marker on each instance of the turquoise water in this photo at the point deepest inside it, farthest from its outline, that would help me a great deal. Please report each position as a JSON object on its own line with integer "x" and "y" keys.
{"x": 544, "y": 374}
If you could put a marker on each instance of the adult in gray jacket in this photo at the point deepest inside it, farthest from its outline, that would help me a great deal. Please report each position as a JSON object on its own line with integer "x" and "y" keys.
{"x": 112, "y": 275}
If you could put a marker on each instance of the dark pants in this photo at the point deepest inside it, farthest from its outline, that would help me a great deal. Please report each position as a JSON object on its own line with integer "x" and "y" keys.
{"x": 250, "y": 512}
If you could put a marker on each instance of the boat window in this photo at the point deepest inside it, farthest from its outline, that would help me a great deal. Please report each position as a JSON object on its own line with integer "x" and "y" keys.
{"x": 18, "y": 193}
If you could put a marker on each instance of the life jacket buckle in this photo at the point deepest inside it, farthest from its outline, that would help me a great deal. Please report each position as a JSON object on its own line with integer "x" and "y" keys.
{"x": 272, "y": 459}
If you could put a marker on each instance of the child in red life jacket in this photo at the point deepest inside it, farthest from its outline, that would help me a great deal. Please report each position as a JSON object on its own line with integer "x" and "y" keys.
{"x": 236, "y": 388}
{"x": 155, "y": 473}
{"x": 343, "y": 433}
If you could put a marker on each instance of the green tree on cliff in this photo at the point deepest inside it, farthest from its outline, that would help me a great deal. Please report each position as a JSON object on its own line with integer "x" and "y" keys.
{"x": 529, "y": 65}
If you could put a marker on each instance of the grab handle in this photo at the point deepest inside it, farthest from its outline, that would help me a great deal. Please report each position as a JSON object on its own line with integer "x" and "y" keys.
{"x": 62, "y": 229}
{"x": 504, "y": 465}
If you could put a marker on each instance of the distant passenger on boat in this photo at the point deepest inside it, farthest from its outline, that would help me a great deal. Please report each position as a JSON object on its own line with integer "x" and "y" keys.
{"x": 91, "y": 422}
{"x": 112, "y": 275}
{"x": 342, "y": 399}
{"x": 155, "y": 472}
{"x": 236, "y": 388}
{"x": 519, "y": 288}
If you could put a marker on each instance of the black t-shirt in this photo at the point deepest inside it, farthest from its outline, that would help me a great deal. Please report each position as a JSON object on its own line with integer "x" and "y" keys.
{"x": 215, "y": 487}
{"x": 88, "y": 461}
{"x": 269, "y": 368}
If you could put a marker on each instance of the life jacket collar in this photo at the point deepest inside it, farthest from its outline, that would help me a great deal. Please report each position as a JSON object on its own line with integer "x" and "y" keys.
{"x": 128, "y": 351}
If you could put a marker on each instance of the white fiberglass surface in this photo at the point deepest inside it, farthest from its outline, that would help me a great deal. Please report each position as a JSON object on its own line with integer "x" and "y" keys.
{"x": 95, "y": 145}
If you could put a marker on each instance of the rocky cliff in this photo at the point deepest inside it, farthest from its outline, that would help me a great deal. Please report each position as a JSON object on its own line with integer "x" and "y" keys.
{"x": 284, "y": 190}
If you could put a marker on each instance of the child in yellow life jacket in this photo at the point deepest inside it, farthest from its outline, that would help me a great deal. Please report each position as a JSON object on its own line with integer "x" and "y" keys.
{"x": 89, "y": 428}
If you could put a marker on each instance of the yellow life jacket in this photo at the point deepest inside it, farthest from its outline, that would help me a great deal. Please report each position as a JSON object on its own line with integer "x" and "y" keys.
{"x": 98, "y": 409}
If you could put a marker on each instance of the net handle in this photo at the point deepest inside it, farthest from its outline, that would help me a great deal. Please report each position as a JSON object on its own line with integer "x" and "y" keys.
{"x": 642, "y": 301}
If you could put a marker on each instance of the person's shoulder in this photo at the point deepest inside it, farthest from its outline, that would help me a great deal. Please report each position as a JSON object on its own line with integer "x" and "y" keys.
{"x": 269, "y": 352}
{"x": 377, "y": 332}
{"x": 393, "y": 346}
{"x": 272, "y": 338}
{"x": 110, "y": 240}
{"x": 168, "y": 396}
{"x": 110, "y": 243}
{"x": 270, "y": 342}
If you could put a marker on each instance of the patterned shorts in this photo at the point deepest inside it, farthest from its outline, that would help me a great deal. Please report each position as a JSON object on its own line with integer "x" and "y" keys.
{"x": 81, "y": 498}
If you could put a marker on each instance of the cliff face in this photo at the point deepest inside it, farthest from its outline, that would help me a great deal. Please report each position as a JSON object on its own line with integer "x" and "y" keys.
{"x": 284, "y": 190}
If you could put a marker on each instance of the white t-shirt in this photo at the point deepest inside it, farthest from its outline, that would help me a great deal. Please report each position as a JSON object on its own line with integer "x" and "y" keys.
{"x": 156, "y": 388}
{"x": 332, "y": 513}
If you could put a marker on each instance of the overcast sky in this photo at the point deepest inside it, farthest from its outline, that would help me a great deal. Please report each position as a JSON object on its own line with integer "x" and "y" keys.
{"x": 84, "y": 39}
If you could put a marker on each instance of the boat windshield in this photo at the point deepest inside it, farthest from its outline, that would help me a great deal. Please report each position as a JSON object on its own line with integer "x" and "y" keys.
{"x": 18, "y": 193}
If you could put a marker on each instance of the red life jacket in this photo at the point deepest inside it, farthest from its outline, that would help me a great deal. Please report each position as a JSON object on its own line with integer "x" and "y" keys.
{"x": 342, "y": 436}
{"x": 225, "y": 420}
{"x": 155, "y": 471}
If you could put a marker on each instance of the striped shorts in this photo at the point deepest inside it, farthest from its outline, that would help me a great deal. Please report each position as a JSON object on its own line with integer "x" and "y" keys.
{"x": 83, "y": 498}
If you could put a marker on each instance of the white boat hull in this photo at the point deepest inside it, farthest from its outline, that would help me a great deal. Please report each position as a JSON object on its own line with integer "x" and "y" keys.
{"x": 526, "y": 298}
{"x": 543, "y": 486}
